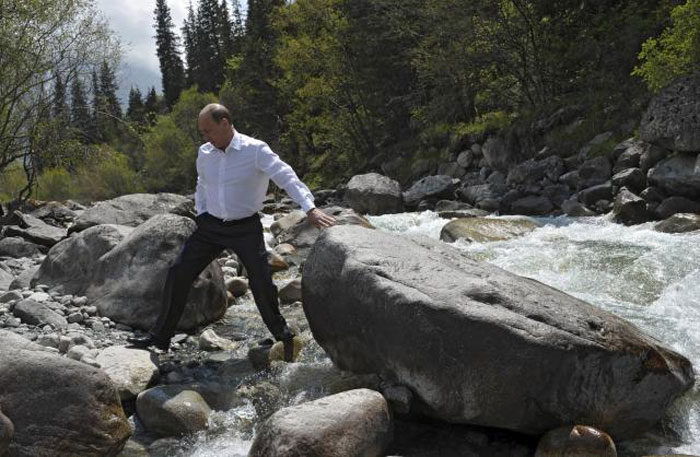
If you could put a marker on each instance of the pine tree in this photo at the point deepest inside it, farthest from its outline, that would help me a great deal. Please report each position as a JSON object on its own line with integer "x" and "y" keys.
{"x": 136, "y": 111}
{"x": 167, "y": 43}
{"x": 190, "y": 39}
{"x": 108, "y": 89}
{"x": 150, "y": 106}
{"x": 60, "y": 106}
{"x": 96, "y": 120}
{"x": 226, "y": 32}
{"x": 209, "y": 45}
{"x": 80, "y": 114}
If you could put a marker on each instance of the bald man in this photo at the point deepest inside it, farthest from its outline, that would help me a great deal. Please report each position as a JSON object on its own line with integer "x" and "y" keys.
{"x": 234, "y": 171}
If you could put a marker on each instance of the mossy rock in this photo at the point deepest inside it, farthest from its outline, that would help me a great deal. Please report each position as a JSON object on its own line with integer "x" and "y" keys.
{"x": 482, "y": 229}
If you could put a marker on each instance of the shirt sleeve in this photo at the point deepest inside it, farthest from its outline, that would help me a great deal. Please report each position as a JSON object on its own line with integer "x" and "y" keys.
{"x": 200, "y": 193}
{"x": 284, "y": 176}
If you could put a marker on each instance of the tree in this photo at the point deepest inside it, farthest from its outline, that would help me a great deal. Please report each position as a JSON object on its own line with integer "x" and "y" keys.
{"x": 676, "y": 52}
{"x": 151, "y": 106}
{"x": 39, "y": 40}
{"x": 191, "y": 43}
{"x": 136, "y": 112}
{"x": 80, "y": 113}
{"x": 95, "y": 132}
{"x": 167, "y": 48}
{"x": 60, "y": 104}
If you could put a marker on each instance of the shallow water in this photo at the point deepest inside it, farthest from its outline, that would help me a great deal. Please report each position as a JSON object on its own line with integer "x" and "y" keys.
{"x": 650, "y": 278}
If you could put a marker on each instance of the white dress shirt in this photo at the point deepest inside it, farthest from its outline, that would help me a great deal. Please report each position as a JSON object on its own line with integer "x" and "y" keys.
{"x": 232, "y": 184}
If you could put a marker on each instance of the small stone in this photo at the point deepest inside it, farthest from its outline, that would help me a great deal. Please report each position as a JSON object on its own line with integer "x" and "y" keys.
{"x": 39, "y": 297}
{"x": 576, "y": 441}
{"x": 277, "y": 350}
{"x": 210, "y": 341}
{"x": 290, "y": 292}
{"x": 238, "y": 286}
{"x": 80, "y": 301}
{"x": 50, "y": 340}
{"x": 10, "y": 296}
{"x": 89, "y": 310}
{"x": 75, "y": 317}
{"x": 78, "y": 352}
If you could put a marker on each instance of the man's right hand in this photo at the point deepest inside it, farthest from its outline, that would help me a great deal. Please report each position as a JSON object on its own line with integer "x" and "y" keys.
{"x": 319, "y": 219}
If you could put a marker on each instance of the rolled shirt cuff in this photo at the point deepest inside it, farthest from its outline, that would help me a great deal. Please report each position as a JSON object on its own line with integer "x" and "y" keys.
{"x": 307, "y": 204}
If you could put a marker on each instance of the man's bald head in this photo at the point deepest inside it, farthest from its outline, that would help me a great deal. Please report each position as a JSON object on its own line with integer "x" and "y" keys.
{"x": 217, "y": 112}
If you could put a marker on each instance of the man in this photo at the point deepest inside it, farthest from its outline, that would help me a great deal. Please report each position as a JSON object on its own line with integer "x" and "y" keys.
{"x": 234, "y": 171}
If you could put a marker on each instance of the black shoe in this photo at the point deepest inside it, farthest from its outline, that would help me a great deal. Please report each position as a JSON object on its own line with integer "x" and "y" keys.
{"x": 149, "y": 340}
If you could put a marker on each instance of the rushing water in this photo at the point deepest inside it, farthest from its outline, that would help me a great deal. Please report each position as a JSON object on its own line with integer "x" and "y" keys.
{"x": 650, "y": 278}
{"x": 647, "y": 277}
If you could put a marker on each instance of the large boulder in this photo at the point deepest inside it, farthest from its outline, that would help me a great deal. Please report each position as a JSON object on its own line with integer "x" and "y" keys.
{"x": 499, "y": 153}
{"x": 679, "y": 223}
{"x": 480, "y": 345}
{"x": 131, "y": 370}
{"x": 673, "y": 205}
{"x": 533, "y": 171}
{"x": 356, "y": 423}
{"x": 438, "y": 186}
{"x": 481, "y": 229}
{"x": 59, "y": 407}
{"x": 678, "y": 175}
{"x": 673, "y": 117}
{"x": 123, "y": 271}
{"x": 629, "y": 209}
{"x": 374, "y": 194}
{"x": 172, "y": 410}
{"x": 130, "y": 210}
{"x": 55, "y": 213}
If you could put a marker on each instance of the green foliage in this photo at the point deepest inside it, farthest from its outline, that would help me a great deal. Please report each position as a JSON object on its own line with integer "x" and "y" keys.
{"x": 676, "y": 52}
{"x": 107, "y": 176}
{"x": 171, "y": 145}
{"x": 12, "y": 180}
{"x": 486, "y": 123}
{"x": 54, "y": 184}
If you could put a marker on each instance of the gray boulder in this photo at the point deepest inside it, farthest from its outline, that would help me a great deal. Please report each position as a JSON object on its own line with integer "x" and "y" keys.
{"x": 480, "y": 345}
{"x": 593, "y": 194}
{"x": 672, "y": 205}
{"x": 356, "y": 423}
{"x": 532, "y": 205}
{"x": 6, "y": 280}
{"x": 629, "y": 209}
{"x": 7, "y": 431}
{"x": 130, "y": 210}
{"x": 631, "y": 178}
{"x": 303, "y": 235}
{"x": 36, "y": 231}
{"x": 574, "y": 208}
{"x": 123, "y": 271}
{"x": 673, "y": 117}
{"x": 595, "y": 171}
{"x": 476, "y": 195}
{"x": 679, "y": 223}
{"x": 55, "y": 213}
{"x": 373, "y": 193}
{"x": 482, "y": 229}
{"x": 33, "y": 313}
{"x": 678, "y": 175}
{"x": 59, "y": 407}
{"x": 172, "y": 410}
{"x": 131, "y": 370}
{"x": 17, "y": 247}
{"x": 532, "y": 171}
{"x": 438, "y": 186}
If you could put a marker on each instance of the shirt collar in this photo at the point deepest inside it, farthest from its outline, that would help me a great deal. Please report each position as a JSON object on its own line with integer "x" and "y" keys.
{"x": 235, "y": 142}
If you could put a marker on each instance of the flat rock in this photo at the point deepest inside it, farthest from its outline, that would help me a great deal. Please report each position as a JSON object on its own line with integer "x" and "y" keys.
{"x": 131, "y": 370}
{"x": 481, "y": 229}
{"x": 356, "y": 423}
{"x": 17, "y": 247}
{"x": 679, "y": 223}
{"x": 479, "y": 345}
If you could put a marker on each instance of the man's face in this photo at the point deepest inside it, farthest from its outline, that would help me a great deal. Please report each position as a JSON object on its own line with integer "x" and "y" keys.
{"x": 217, "y": 134}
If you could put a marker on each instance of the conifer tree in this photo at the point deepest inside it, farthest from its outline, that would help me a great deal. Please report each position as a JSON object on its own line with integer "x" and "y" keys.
{"x": 135, "y": 111}
{"x": 167, "y": 43}
{"x": 60, "y": 106}
{"x": 190, "y": 39}
{"x": 150, "y": 106}
{"x": 96, "y": 120}
{"x": 80, "y": 114}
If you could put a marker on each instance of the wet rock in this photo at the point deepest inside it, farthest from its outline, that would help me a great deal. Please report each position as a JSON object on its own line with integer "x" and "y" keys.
{"x": 630, "y": 209}
{"x": 58, "y": 406}
{"x": 131, "y": 210}
{"x": 169, "y": 410}
{"x": 438, "y": 186}
{"x": 481, "y": 229}
{"x": 210, "y": 341}
{"x": 373, "y": 193}
{"x": 472, "y": 319}
{"x": 238, "y": 286}
{"x": 123, "y": 271}
{"x": 679, "y": 223}
{"x": 277, "y": 350}
{"x": 353, "y": 423}
{"x": 678, "y": 175}
{"x": 576, "y": 441}
{"x": 672, "y": 119}
{"x": 17, "y": 247}
{"x": 290, "y": 292}
{"x": 276, "y": 262}
{"x": 672, "y": 205}
{"x": 574, "y": 208}
{"x": 462, "y": 213}
{"x": 35, "y": 313}
{"x": 131, "y": 370}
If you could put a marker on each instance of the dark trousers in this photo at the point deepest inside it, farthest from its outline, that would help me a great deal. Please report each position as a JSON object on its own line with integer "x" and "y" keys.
{"x": 245, "y": 238}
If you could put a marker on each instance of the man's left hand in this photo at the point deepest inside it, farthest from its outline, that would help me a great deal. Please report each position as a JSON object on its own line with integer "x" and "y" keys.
{"x": 319, "y": 219}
